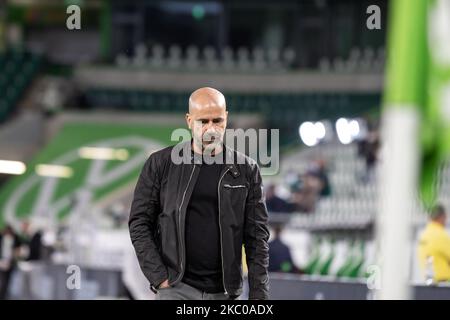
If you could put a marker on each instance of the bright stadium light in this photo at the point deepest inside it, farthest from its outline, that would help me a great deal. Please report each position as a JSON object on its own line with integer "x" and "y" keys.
{"x": 56, "y": 171}
{"x": 354, "y": 128}
{"x": 343, "y": 131}
{"x": 12, "y": 167}
{"x": 320, "y": 130}
{"x": 97, "y": 153}
{"x": 347, "y": 130}
{"x": 307, "y": 133}
{"x": 312, "y": 133}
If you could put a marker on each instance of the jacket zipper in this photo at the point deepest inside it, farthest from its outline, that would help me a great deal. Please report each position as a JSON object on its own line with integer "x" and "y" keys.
{"x": 220, "y": 228}
{"x": 179, "y": 228}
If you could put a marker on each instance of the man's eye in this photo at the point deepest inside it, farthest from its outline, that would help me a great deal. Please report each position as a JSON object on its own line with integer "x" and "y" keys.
{"x": 217, "y": 120}
{"x": 205, "y": 121}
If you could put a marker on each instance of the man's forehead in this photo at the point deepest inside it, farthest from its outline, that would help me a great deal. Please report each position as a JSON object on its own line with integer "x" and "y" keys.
{"x": 209, "y": 113}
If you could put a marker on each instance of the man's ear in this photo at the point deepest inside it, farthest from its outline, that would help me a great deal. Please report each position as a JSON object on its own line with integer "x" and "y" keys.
{"x": 226, "y": 118}
{"x": 188, "y": 120}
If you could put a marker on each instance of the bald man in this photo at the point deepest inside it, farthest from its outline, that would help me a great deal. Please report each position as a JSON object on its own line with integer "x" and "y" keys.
{"x": 189, "y": 221}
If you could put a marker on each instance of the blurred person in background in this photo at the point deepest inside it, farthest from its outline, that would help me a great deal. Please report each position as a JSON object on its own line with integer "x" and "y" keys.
{"x": 434, "y": 247}
{"x": 176, "y": 207}
{"x": 275, "y": 203}
{"x": 368, "y": 149}
{"x": 31, "y": 242}
{"x": 9, "y": 254}
{"x": 280, "y": 258}
{"x": 306, "y": 192}
{"x": 319, "y": 170}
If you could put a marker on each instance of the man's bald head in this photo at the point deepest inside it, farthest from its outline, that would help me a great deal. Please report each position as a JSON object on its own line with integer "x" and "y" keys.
{"x": 206, "y": 97}
{"x": 207, "y": 117}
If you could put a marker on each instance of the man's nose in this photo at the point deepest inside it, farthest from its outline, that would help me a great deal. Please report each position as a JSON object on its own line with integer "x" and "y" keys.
{"x": 209, "y": 125}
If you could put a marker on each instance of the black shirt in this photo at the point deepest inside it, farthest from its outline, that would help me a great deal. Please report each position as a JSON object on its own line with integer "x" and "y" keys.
{"x": 202, "y": 234}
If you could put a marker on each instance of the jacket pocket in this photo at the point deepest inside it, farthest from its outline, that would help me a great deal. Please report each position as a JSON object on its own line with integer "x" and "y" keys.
{"x": 234, "y": 196}
{"x": 237, "y": 186}
{"x": 168, "y": 238}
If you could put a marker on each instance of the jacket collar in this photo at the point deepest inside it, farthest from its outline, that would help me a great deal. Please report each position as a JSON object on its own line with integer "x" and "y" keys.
{"x": 231, "y": 154}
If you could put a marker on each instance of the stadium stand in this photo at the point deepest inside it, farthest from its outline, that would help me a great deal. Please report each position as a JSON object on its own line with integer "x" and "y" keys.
{"x": 19, "y": 68}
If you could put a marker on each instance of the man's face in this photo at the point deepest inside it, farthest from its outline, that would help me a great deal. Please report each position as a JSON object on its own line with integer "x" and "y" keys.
{"x": 208, "y": 126}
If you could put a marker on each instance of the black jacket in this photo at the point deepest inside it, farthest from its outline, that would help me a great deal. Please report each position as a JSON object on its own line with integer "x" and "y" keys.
{"x": 158, "y": 212}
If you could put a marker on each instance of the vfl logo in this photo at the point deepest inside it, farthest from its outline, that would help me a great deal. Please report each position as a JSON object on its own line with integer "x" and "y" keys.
{"x": 49, "y": 203}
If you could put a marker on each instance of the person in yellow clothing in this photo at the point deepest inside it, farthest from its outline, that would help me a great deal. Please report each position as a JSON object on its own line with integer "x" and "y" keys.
{"x": 434, "y": 247}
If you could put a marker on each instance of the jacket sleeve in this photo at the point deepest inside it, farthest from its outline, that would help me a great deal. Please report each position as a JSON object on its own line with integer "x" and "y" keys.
{"x": 143, "y": 223}
{"x": 256, "y": 237}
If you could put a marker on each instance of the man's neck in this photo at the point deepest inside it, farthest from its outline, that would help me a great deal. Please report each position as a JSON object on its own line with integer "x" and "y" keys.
{"x": 439, "y": 223}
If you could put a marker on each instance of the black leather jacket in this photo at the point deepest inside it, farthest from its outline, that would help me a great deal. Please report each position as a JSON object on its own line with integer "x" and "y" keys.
{"x": 157, "y": 221}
